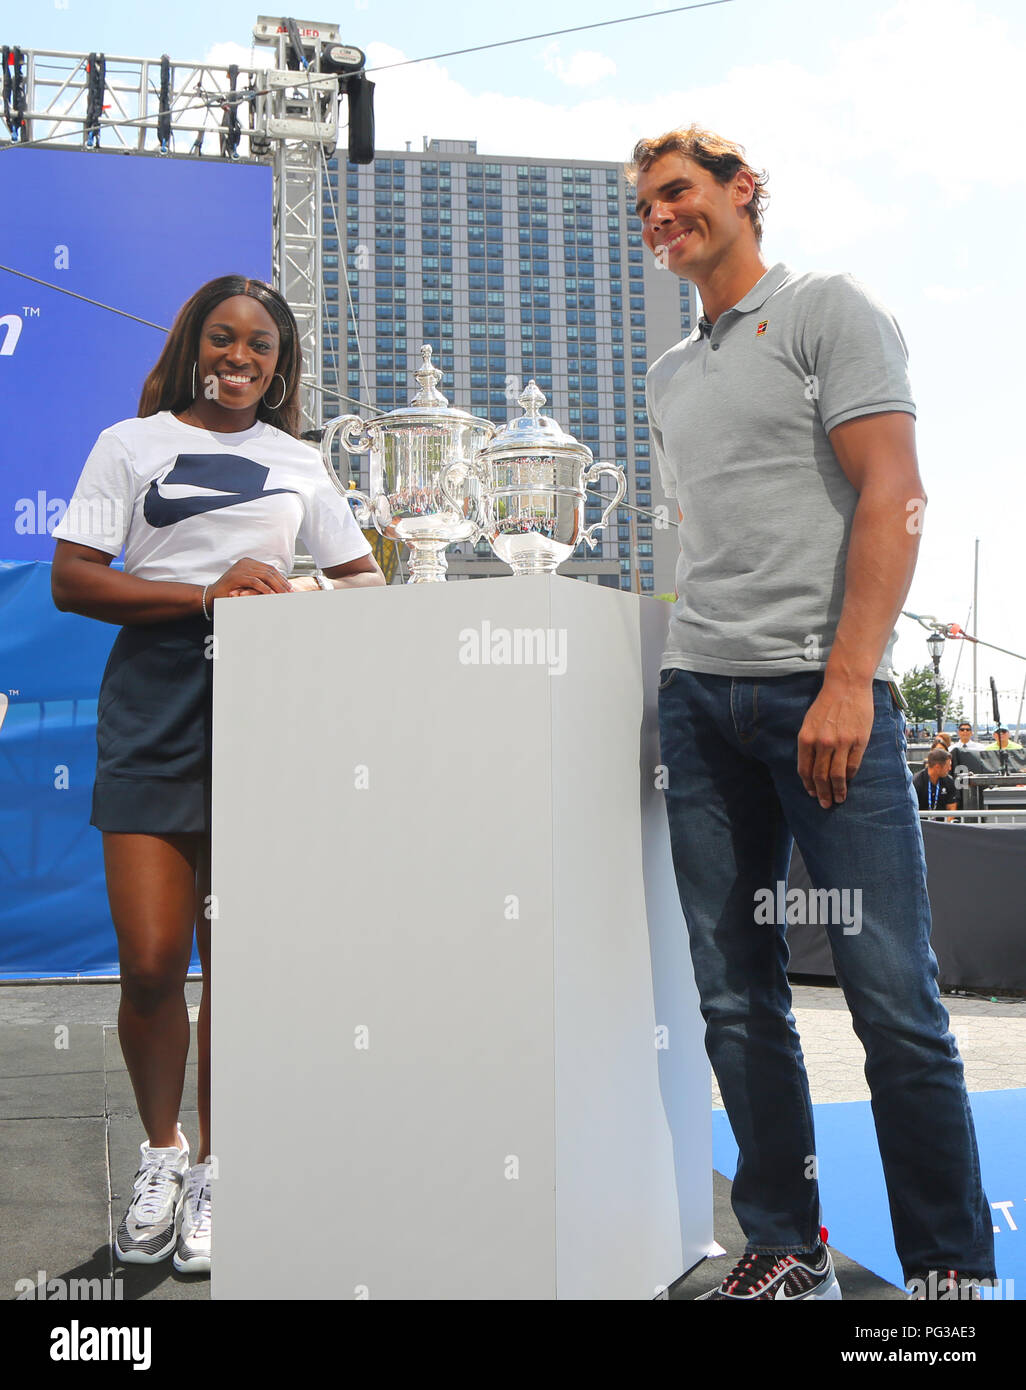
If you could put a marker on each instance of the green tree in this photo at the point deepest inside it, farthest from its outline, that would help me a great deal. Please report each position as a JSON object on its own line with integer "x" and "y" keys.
{"x": 919, "y": 690}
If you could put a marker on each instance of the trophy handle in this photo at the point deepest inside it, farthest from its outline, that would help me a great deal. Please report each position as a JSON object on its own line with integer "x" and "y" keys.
{"x": 454, "y": 477}
{"x": 355, "y": 440}
{"x": 595, "y": 471}
{"x": 356, "y": 437}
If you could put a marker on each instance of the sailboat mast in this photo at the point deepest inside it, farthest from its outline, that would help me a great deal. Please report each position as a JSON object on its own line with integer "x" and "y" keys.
{"x": 976, "y": 582}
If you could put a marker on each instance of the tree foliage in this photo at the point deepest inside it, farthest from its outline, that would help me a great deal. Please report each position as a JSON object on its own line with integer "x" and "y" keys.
{"x": 920, "y": 692}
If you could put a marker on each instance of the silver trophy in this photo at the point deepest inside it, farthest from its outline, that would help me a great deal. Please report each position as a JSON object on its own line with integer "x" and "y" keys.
{"x": 533, "y": 481}
{"x": 422, "y": 488}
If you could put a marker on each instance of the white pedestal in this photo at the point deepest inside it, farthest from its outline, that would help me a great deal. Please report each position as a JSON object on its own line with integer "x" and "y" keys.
{"x": 447, "y": 934}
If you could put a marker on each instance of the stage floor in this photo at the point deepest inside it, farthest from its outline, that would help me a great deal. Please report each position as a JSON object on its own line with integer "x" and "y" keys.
{"x": 70, "y": 1136}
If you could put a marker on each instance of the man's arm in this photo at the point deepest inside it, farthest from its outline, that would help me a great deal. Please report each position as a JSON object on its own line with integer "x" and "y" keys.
{"x": 878, "y": 456}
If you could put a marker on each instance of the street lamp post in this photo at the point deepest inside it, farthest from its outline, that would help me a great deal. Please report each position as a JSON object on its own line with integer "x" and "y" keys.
{"x": 935, "y": 642}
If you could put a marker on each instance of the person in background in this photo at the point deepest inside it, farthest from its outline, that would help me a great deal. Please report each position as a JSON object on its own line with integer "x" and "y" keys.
{"x": 965, "y": 738}
{"x": 1002, "y": 740}
{"x": 934, "y": 787}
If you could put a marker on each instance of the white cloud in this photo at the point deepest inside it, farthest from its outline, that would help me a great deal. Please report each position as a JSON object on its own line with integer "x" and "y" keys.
{"x": 935, "y": 90}
{"x": 930, "y": 95}
{"x": 952, "y": 294}
{"x": 584, "y": 68}
{"x": 222, "y": 55}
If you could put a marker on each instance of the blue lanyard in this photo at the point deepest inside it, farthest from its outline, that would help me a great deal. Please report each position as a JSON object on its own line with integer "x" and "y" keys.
{"x": 934, "y": 793}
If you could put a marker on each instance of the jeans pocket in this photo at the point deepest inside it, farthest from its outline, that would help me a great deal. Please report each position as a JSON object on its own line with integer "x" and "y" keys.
{"x": 899, "y": 732}
{"x": 897, "y": 717}
{"x": 666, "y": 678}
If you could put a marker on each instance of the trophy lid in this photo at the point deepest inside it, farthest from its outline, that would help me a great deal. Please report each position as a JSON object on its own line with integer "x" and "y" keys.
{"x": 533, "y": 432}
{"x": 429, "y": 404}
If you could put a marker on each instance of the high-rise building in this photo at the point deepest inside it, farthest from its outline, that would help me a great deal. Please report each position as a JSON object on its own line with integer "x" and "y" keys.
{"x": 512, "y": 269}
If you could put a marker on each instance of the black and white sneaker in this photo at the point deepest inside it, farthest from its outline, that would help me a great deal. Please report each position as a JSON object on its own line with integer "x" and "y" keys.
{"x": 192, "y": 1254}
{"x": 780, "y": 1276}
{"x": 149, "y": 1228}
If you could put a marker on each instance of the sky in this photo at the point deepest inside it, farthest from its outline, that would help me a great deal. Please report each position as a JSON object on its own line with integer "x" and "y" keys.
{"x": 891, "y": 133}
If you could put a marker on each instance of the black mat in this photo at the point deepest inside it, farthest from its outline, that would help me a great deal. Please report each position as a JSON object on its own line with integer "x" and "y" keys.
{"x": 976, "y": 875}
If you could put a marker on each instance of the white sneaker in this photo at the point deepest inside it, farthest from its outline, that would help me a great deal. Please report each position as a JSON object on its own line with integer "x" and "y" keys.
{"x": 192, "y": 1254}
{"x": 148, "y": 1228}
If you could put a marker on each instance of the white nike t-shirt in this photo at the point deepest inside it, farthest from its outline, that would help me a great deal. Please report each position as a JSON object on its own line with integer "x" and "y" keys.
{"x": 186, "y": 503}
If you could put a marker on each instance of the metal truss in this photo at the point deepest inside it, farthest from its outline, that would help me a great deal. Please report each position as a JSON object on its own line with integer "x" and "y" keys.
{"x": 272, "y": 114}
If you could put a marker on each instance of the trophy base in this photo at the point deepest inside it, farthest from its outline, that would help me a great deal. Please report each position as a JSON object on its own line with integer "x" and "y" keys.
{"x": 428, "y": 564}
{"x": 428, "y": 537}
{"x": 532, "y": 554}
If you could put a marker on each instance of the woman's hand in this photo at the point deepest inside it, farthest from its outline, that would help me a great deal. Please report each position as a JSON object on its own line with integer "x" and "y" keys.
{"x": 302, "y": 584}
{"x": 248, "y": 576}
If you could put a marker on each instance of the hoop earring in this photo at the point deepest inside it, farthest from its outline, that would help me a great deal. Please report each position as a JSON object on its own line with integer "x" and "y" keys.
{"x": 194, "y": 381}
{"x": 284, "y": 392}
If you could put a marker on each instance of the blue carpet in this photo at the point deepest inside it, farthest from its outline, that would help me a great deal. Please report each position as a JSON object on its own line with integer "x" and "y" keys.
{"x": 854, "y": 1198}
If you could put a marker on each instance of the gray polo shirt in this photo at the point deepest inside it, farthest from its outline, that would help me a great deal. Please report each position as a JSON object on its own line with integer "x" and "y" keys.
{"x": 740, "y": 413}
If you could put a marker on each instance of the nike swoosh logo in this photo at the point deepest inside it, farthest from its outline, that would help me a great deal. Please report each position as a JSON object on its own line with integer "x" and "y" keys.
{"x": 166, "y": 511}
{"x": 233, "y": 478}
{"x": 782, "y": 1293}
{"x": 4, "y": 702}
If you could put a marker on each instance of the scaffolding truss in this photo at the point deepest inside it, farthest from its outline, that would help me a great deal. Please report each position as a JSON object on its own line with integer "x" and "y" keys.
{"x": 283, "y": 113}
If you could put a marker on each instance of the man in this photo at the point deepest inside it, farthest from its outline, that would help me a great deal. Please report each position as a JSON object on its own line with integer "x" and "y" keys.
{"x": 784, "y": 428}
{"x": 1002, "y": 740}
{"x": 934, "y": 787}
{"x": 965, "y": 738}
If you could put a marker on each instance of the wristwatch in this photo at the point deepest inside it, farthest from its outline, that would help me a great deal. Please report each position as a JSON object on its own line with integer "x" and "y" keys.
{"x": 322, "y": 582}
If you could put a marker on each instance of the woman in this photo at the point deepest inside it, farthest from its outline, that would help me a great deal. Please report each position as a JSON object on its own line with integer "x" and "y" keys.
{"x": 208, "y": 490}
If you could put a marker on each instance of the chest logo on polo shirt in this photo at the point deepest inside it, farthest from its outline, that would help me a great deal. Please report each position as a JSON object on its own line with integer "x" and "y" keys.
{"x": 762, "y": 328}
{"x": 234, "y": 480}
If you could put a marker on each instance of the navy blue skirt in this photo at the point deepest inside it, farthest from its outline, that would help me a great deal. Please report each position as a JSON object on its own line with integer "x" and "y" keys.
{"x": 153, "y": 731}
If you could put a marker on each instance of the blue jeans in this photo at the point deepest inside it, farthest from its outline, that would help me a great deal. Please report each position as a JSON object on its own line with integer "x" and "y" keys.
{"x": 736, "y": 805}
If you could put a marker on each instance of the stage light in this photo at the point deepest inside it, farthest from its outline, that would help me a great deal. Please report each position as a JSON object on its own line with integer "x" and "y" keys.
{"x": 342, "y": 58}
{"x": 360, "y": 91}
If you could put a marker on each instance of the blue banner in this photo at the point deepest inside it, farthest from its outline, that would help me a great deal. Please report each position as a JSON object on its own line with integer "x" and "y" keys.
{"x": 54, "y": 918}
{"x": 138, "y": 234}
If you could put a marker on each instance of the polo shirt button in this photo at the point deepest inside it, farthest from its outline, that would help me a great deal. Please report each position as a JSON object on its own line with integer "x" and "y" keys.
{"x": 715, "y": 347}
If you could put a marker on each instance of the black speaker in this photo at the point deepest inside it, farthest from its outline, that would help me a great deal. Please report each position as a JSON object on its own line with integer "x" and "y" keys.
{"x": 360, "y": 92}
{"x": 341, "y": 58}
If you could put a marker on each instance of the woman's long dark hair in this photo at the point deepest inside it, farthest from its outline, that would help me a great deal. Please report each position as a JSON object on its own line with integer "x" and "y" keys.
{"x": 169, "y": 384}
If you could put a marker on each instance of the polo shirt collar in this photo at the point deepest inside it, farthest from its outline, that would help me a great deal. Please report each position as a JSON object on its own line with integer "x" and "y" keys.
{"x": 756, "y": 296}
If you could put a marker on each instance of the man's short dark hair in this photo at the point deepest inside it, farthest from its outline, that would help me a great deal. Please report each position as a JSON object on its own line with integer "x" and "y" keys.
{"x": 718, "y": 156}
{"x": 936, "y": 756}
